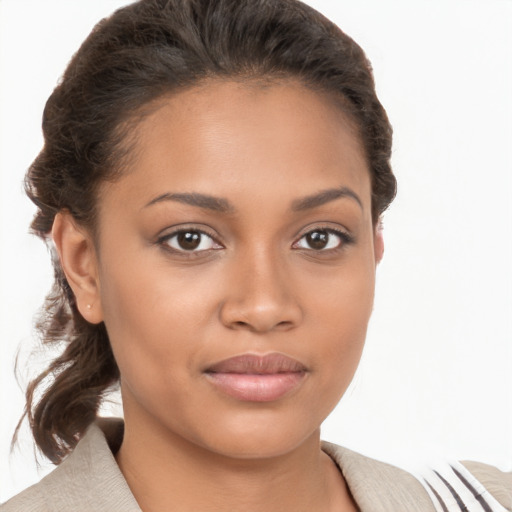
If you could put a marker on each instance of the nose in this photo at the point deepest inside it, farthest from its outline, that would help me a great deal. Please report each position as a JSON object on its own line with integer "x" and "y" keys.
{"x": 261, "y": 296}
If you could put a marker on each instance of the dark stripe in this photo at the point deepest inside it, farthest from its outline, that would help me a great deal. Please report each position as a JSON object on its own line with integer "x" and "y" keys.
{"x": 458, "y": 499}
{"x": 475, "y": 493}
{"x": 436, "y": 494}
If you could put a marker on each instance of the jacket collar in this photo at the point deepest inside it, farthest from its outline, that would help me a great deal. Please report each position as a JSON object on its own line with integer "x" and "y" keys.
{"x": 90, "y": 474}
{"x": 377, "y": 486}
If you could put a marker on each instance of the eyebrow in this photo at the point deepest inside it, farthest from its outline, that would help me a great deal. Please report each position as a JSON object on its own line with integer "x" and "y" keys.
{"x": 222, "y": 205}
{"x": 323, "y": 197}
{"x": 216, "y": 204}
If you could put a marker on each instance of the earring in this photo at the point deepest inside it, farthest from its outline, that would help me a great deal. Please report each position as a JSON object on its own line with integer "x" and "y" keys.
{"x": 89, "y": 307}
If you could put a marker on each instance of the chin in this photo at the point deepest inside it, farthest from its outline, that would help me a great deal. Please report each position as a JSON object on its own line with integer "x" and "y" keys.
{"x": 258, "y": 436}
{"x": 259, "y": 446}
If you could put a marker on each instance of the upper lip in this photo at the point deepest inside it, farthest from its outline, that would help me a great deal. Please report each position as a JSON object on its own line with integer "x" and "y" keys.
{"x": 258, "y": 364}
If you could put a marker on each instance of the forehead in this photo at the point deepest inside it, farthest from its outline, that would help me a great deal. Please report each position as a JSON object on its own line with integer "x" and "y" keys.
{"x": 227, "y": 137}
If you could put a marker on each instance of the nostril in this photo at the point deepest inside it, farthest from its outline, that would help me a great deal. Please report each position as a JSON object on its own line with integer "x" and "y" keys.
{"x": 284, "y": 325}
{"x": 241, "y": 324}
{"x": 260, "y": 316}
{"x": 245, "y": 325}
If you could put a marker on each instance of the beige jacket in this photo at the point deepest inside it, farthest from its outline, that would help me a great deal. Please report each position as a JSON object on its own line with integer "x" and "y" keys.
{"x": 90, "y": 480}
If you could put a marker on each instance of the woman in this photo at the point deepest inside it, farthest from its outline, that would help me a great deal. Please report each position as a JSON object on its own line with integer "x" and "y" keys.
{"x": 213, "y": 178}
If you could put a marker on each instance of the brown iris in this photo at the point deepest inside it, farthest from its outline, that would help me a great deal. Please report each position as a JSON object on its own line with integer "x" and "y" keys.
{"x": 317, "y": 239}
{"x": 189, "y": 240}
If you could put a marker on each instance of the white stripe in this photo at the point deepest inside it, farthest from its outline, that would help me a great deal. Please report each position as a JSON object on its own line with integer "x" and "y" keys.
{"x": 445, "y": 470}
{"x": 433, "y": 497}
{"x": 479, "y": 487}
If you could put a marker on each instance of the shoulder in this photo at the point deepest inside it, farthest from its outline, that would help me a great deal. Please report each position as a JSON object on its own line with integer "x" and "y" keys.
{"x": 88, "y": 479}
{"x": 30, "y": 500}
{"x": 377, "y": 485}
{"x": 497, "y": 483}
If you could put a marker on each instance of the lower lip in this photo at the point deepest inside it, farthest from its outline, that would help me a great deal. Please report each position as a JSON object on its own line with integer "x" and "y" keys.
{"x": 256, "y": 387}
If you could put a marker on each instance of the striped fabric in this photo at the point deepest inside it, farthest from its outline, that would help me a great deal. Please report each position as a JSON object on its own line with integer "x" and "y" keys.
{"x": 453, "y": 488}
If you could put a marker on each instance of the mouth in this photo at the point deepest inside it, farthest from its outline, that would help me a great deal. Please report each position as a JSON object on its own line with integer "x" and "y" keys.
{"x": 255, "y": 378}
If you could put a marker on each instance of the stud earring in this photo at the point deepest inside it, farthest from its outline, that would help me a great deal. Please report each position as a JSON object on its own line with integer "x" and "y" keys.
{"x": 89, "y": 307}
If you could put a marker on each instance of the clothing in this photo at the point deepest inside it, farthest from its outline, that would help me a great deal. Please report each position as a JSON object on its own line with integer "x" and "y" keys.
{"x": 90, "y": 480}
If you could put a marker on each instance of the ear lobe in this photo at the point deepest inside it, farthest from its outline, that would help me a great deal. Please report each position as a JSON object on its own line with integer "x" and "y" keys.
{"x": 378, "y": 243}
{"x": 78, "y": 260}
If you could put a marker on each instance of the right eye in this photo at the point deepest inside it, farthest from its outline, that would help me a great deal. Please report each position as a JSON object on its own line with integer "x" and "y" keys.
{"x": 190, "y": 240}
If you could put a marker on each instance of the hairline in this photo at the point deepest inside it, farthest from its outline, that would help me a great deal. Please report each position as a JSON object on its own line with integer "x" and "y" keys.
{"x": 126, "y": 138}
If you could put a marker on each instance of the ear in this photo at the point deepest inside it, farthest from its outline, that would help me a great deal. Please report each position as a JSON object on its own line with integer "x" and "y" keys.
{"x": 77, "y": 257}
{"x": 378, "y": 243}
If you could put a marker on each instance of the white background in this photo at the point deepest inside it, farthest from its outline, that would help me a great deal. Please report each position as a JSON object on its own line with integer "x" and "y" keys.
{"x": 436, "y": 376}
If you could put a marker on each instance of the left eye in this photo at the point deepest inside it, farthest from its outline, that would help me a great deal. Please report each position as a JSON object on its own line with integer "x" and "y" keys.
{"x": 320, "y": 240}
{"x": 191, "y": 241}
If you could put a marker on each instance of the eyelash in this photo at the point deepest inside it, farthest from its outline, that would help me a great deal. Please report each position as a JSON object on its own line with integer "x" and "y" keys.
{"x": 345, "y": 239}
{"x": 163, "y": 241}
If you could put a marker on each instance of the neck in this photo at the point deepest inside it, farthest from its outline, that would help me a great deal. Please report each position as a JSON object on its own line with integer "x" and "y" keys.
{"x": 167, "y": 472}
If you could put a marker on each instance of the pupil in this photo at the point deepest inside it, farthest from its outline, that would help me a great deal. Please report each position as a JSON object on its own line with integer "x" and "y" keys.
{"x": 317, "y": 239}
{"x": 189, "y": 240}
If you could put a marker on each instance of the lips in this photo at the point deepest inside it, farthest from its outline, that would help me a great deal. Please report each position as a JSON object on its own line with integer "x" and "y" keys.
{"x": 254, "y": 378}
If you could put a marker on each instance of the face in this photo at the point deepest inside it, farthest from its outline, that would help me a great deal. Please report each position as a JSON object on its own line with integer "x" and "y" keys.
{"x": 236, "y": 262}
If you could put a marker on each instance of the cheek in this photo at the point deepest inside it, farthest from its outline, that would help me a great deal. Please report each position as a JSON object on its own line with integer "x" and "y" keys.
{"x": 340, "y": 311}
{"x": 155, "y": 315}
{"x": 150, "y": 334}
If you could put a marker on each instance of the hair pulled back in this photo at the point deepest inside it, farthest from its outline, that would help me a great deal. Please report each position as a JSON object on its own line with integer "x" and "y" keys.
{"x": 141, "y": 52}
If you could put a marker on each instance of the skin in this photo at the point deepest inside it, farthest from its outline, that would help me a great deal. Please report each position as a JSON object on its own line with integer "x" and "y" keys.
{"x": 255, "y": 286}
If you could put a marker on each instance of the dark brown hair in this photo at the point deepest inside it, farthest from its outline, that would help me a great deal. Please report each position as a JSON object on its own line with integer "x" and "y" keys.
{"x": 141, "y": 52}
